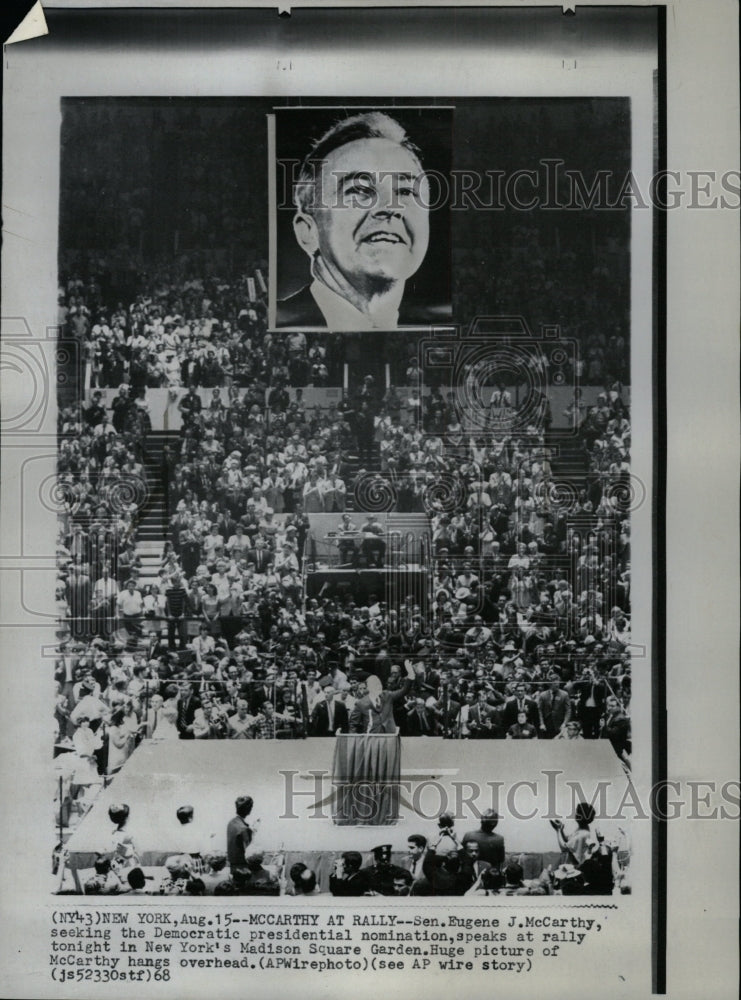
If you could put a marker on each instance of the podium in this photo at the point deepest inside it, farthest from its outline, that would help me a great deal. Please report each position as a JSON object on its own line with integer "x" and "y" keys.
{"x": 366, "y": 776}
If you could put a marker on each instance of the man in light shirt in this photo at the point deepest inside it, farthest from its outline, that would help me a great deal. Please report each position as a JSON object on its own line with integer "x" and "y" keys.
{"x": 241, "y": 723}
{"x": 105, "y": 593}
{"x": 129, "y": 604}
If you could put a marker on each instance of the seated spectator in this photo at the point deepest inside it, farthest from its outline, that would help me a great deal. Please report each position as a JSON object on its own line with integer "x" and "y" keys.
{"x": 303, "y": 881}
{"x": 259, "y": 881}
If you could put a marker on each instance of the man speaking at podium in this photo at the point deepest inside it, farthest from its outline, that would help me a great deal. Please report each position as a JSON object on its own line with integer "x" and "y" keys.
{"x": 367, "y": 761}
{"x": 375, "y": 712}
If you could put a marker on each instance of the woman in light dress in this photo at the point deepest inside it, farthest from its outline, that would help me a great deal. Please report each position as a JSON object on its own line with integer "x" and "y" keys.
{"x": 86, "y": 742}
{"x": 121, "y": 739}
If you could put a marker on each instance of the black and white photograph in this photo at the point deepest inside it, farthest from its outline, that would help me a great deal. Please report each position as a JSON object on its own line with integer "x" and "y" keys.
{"x": 340, "y": 452}
{"x": 348, "y": 534}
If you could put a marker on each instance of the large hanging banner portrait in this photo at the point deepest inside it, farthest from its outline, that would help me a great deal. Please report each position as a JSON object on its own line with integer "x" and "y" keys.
{"x": 336, "y": 381}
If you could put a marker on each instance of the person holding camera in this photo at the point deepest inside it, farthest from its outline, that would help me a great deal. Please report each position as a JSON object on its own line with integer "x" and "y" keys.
{"x": 441, "y": 865}
{"x": 587, "y": 852}
{"x": 447, "y": 841}
{"x": 576, "y": 846}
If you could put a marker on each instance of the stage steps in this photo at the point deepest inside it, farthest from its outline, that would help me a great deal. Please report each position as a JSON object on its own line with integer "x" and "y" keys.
{"x": 154, "y": 515}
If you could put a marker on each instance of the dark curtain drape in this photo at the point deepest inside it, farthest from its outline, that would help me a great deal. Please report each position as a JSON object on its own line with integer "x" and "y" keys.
{"x": 367, "y": 770}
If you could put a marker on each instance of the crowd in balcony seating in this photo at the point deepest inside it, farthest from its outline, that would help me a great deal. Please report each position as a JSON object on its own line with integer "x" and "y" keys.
{"x": 530, "y": 577}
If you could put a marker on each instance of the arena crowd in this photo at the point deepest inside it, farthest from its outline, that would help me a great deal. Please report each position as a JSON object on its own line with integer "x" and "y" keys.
{"x": 472, "y": 863}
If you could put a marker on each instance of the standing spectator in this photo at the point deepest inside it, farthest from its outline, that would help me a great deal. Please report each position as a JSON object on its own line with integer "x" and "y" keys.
{"x": 177, "y": 608}
{"x": 130, "y": 606}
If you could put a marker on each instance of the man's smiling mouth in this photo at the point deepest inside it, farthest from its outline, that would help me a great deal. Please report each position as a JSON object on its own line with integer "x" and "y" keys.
{"x": 383, "y": 237}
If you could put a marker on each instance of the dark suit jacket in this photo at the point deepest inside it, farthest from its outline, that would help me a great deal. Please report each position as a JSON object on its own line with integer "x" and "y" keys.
{"x": 191, "y": 373}
{"x": 259, "y": 696}
{"x": 555, "y": 707}
{"x": 354, "y": 885}
{"x": 509, "y": 715}
{"x": 584, "y": 690}
{"x": 238, "y": 839}
{"x": 451, "y": 711}
{"x": 470, "y": 870}
{"x": 425, "y": 686}
{"x": 491, "y": 846}
{"x": 380, "y": 878}
{"x": 260, "y": 559}
{"x": 186, "y": 713}
{"x": 442, "y": 881}
{"x": 320, "y": 719}
{"x": 420, "y": 885}
{"x": 299, "y": 309}
{"x": 414, "y": 726}
{"x": 478, "y": 718}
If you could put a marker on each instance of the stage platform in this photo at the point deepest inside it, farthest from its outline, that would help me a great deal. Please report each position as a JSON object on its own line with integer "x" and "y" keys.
{"x": 291, "y": 785}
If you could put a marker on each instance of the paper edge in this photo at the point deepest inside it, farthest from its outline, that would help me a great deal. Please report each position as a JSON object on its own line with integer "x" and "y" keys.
{"x": 33, "y": 25}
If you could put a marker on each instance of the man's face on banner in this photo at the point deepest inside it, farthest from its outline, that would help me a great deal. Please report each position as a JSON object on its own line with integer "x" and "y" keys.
{"x": 370, "y": 220}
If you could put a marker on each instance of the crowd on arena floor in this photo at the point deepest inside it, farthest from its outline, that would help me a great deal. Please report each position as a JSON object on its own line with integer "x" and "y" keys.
{"x": 448, "y": 863}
